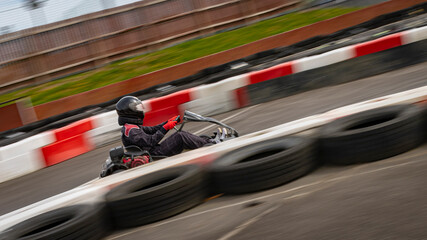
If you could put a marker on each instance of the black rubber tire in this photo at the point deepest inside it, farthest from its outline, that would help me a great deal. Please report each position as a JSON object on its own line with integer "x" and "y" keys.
{"x": 118, "y": 171}
{"x": 371, "y": 135}
{"x": 424, "y": 119}
{"x": 156, "y": 196}
{"x": 263, "y": 165}
{"x": 72, "y": 222}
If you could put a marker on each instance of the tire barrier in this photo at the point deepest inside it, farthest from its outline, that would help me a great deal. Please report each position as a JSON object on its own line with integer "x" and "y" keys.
{"x": 372, "y": 135}
{"x": 263, "y": 165}
{"x": 255, "y": 167}
{"x": 156, "y": 196}
{"x": 68, "y": 223}
{"x": 424, "y": 119}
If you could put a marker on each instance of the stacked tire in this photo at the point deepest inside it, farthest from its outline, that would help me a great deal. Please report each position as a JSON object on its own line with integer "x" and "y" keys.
{"x": 156, "y": 196}
{"x": 263, "y": 165}
{"x": 372, "y": 135}
{"x": 67, "y": 223}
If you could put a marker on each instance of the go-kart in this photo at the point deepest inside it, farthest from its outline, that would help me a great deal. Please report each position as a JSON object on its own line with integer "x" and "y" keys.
{"x": 123, "y": 158}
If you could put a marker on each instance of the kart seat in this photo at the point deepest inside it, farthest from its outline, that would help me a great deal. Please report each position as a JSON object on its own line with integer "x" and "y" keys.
{"x": 132, "y": 151}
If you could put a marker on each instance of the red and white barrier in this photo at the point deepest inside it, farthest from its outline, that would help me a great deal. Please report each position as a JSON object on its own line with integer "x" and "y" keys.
{"x": 165, "y": 107}
{"x": 378, "y": 45}
{"x": 217, "y": 97}
{"x": 226, "y": 95}
{"x": 414, "y": 35}
{"x": 23, "y": 157}
{"x": 70, "y": 141}
{"x": 271, "y": 73}
{"x": 324, "y": 59}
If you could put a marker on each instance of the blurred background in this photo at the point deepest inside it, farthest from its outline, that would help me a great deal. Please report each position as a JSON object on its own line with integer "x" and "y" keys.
{"x": 53, "y": 49}
{"x": 17, "y": 15}
{"x": 64, "y": 61}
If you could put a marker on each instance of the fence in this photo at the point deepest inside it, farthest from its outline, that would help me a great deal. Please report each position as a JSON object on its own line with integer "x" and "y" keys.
{"x": 55, "y": 50}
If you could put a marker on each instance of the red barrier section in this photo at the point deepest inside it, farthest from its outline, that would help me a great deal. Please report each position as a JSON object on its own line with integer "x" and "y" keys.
{"x": 74, "y": 129}
{"x": 155, "y": 117}
{"x": 378, "y": 45}
{"x": 63, "y": 150}
{"x": 271, "y": 73}
{"x": 173, "y": 99}
{"x": 241, "y": 97}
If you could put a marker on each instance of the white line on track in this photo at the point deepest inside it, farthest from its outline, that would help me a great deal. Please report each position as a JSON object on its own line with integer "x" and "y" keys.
{"x": 248, "y": 223}
{"x": 256, "y": 218}
{"x": 321, "y": 182}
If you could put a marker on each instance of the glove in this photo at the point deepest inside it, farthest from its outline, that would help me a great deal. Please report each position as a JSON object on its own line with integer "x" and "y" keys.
{"x": 170, "y": 124}
{"x": 174, "y": 118}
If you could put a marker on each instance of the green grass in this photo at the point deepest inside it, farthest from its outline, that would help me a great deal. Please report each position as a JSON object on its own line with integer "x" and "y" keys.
{"x": 190, "y": 50}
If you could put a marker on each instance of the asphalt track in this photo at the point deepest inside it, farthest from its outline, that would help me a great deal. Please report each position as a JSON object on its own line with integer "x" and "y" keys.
{"x": 315, "y": 207}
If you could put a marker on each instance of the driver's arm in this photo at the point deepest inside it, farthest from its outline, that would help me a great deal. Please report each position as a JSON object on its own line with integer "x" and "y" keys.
{"x": 153, "y": 129}
{"x": 148, "y": 140}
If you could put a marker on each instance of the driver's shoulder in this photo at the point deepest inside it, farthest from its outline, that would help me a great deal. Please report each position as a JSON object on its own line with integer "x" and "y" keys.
{"x": 126, "y": 129}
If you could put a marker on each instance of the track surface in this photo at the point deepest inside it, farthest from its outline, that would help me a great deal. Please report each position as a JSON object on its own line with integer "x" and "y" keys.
{"x": 50, "y": 181}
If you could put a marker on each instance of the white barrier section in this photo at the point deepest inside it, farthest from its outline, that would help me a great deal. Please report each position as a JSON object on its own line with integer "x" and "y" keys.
{"x": 104, "y": 122}
{"x": 217, "y": 97}
{"x": 23, "y": 157}
{"x": 20, "y": 165}
{"x": 94, "y": 190}
{"x": 106, "y": 128}
{"x": 323, "y": 59}
{"x": 414, "y": 35}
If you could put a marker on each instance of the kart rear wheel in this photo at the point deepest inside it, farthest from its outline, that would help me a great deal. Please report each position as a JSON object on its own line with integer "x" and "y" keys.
{"x": 140, "y": 160}
{"x": 118, "y": 171}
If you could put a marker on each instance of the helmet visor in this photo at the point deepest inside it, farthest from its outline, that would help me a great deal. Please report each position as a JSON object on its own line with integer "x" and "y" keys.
{"x": 136, "y": 106}
{"x": 139, "y": 107}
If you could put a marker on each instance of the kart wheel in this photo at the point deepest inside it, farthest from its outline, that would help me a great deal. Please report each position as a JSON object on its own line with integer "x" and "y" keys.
{"x": 372, "y": 135}
{"x": 156, "y": 196}
{"x": 118, "y": 170}
{"x": 72, "y": 222}
{"x": 139, "y": 161}
{"x": 263, "y": 165}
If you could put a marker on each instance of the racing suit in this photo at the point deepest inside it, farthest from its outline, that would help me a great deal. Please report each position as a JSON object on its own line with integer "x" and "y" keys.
{"x": 148, "y": 138}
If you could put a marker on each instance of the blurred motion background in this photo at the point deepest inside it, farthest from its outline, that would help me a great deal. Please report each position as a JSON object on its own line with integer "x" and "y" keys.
{"x": 17, "y": 15}
{"x": 51, "y": 49}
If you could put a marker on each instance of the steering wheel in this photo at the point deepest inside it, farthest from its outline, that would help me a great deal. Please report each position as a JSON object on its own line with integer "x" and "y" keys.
{"x": 182, "y": 123}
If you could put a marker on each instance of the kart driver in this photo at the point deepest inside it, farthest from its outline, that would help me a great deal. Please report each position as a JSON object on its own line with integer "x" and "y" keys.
{"x": 131, "y": 116}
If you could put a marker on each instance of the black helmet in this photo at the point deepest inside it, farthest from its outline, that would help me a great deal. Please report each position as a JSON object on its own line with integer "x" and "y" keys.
{"x": 130, "y": 110}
